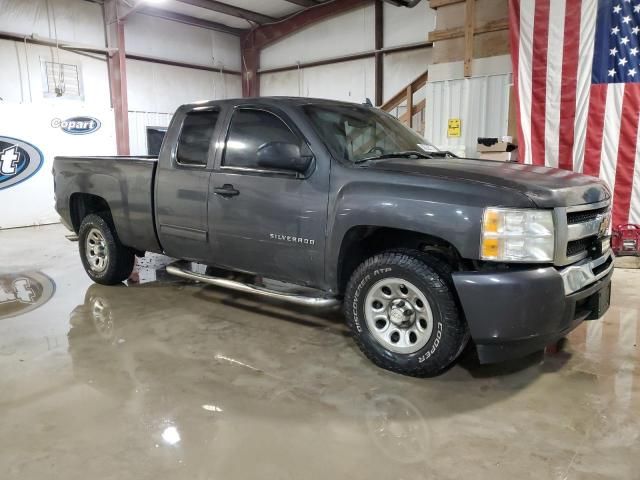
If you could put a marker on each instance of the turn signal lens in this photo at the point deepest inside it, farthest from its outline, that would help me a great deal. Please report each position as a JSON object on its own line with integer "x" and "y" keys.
{"x": 490, "y": 247}
{"x": 517, "y": 235}
{"x": 491, "y": 221}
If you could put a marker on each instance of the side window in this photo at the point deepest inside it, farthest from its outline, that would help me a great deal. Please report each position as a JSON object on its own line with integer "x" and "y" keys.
{"x": 195, "y": 138}
{"x": 249, "y": 130}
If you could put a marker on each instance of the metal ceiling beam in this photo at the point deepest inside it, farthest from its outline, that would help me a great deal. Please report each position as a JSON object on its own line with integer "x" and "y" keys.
{"x": 304, "y": 3}
{"x": 188, "y": 20}
{"x": 227, "y": 9}
{"x": 264, "y": 35}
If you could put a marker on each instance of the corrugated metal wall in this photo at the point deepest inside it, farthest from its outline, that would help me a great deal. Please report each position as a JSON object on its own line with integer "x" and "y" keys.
{"x": 138, "y": 123}
{"x": 482, "y": 103}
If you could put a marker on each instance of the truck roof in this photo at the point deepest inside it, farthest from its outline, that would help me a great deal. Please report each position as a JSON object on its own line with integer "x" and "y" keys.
{"x": 273, "y": 100}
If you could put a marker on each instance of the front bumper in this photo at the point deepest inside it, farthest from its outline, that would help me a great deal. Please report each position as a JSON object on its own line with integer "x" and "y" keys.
{"x": 514, "y": 313}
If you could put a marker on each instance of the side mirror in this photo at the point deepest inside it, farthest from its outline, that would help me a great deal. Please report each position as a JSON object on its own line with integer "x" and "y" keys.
{"x": 282, "y": 156}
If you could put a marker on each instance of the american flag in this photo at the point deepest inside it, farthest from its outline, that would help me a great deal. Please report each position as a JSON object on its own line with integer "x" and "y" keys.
{"x": 577, "y": 79}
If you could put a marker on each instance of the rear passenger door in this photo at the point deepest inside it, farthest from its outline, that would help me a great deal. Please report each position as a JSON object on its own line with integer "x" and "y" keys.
{"x": 271, "y": 222}
{"x": 182, "y": 185}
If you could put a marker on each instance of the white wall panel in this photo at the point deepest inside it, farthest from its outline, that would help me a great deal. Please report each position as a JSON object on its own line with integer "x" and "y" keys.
{"x": 348, "y": 33}
{"x": 349, "y": 81}
{"x": 407, "y": 25}
{"x": 31, "y": 201}
{"x": 482, "y": 103}
{"x": 22, "y": 83}
{"x": 163, "y": 88}
{"x": 75, "y": 20}
{"x": 165, "y": 39}
{"x": 138, "y": 123}
{"x": 401, "y": 68}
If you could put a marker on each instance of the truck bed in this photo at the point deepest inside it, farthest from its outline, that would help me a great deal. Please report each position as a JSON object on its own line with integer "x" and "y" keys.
{"x": 126, "y": 183}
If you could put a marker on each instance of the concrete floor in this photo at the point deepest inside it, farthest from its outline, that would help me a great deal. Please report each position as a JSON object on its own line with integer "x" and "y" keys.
{"x": 169, "y": 379}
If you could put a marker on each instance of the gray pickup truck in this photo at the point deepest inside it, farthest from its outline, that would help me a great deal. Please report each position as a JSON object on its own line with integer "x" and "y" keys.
{"x": 320, "y": 202}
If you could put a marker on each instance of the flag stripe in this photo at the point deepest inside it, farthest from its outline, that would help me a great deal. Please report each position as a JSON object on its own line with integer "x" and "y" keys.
{"x": 525, "y": 28}
{"x": 514, "y": 37}
{"x": 595, "y": 129}
{"x": 555, "y": 64}
{"x": 577, "y": 81}
{"x": 634, "y": 214}
{"x": 612, "y": 120}
{"x": 583, "y": 88}
{"x": 569, "y": 83}
{"x": 539, "y": 80}
{"x": 626, "y": 153}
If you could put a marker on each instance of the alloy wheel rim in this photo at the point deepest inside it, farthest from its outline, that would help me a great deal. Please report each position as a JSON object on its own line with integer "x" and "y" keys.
{"x": 96, "y": 251}
{"x": 398, "y": 315}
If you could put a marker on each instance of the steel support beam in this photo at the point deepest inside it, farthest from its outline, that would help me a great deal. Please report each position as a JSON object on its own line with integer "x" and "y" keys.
{"x": 117, "y": 67}
{"x": 250, "y": 66}
{"x": 231, "y": 10}
{"x": 304, "y": 3}
{"x": 379, "y": 57}
{"x": 189, "y": 20}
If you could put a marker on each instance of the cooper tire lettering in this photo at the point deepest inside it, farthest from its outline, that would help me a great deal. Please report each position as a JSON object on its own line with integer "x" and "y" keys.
{"x": 432, "y": 277}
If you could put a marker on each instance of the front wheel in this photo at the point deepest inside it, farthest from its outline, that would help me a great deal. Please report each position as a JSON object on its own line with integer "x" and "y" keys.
{"x": 402, "y": 311}
{"x": 104, "y": 258}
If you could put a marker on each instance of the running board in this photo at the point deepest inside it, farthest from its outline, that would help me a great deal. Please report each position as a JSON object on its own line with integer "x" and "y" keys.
{"x": 317, "y": 302}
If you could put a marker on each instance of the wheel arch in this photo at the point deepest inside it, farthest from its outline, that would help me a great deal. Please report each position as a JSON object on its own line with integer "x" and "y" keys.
{"x": 83, "y": 204}
{"x": 363, "y": 241}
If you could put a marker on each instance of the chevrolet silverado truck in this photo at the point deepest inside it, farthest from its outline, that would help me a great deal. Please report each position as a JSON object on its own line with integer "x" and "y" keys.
{"x": 323, "y": 203}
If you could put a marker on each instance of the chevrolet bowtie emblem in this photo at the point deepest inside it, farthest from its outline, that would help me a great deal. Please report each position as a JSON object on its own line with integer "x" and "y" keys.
{"x": 604, "y": 226}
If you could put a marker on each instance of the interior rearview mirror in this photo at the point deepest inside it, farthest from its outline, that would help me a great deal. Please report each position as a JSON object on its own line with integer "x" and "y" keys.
{"x": 283, "y": 156}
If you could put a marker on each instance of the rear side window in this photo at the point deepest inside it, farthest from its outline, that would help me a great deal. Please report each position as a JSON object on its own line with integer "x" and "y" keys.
{"x": 195, "y": 138}
{"x": 249, "y": 130}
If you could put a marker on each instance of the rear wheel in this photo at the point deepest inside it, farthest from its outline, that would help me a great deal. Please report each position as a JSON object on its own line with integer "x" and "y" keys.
{"x": 104, "y": 258}
{"x": 402, "y": 311}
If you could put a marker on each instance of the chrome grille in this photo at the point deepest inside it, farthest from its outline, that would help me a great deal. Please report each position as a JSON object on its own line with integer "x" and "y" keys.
{"x": 584, "y": 216}
{"x": 578, "y": 231}
{"x": 575, "y": 247}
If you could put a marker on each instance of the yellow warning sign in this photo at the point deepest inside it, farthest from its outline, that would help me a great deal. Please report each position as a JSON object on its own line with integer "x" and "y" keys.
{"x": 454, "y": 128}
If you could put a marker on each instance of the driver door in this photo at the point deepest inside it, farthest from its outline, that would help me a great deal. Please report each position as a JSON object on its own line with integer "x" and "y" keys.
{"x": 267, "y": 222}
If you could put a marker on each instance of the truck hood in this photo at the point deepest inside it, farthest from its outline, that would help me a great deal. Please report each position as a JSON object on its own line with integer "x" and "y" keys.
{"x": 546, "y": 187}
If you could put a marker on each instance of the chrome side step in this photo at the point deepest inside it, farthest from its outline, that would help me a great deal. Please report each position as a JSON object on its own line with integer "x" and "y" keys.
{"x": 178, "y": 270}
{"x": 72, "y": 237}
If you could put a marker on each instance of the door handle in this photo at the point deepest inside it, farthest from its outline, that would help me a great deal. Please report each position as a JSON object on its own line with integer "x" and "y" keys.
{"x": 226, "y": 190}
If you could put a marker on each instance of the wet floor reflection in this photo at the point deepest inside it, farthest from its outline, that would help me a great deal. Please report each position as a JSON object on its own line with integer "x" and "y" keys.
{"x": 23, "y": 292}
{"x": 170, "y": 379}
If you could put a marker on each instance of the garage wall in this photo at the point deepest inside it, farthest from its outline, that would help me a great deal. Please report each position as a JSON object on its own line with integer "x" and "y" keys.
{"x": 346, "y": 34}
{"x": 157, "y": 37}
{"x": 27, "y": 109}
{"x": 481, "y": 103}
{"x": 348, "y": 81}
{"x": 156, "y": 90}
{"x": 73, "y": 21}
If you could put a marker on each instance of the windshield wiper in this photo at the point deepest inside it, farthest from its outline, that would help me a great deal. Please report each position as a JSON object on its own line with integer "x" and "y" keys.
{"x": 402, "y": 154}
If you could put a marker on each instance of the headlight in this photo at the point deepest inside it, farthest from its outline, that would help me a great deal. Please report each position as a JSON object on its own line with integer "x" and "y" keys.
{"x": 517, "y": 235}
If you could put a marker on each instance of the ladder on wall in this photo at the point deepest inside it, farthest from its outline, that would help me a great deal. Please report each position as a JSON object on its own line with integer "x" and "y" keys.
{"x": 402, "y": 105}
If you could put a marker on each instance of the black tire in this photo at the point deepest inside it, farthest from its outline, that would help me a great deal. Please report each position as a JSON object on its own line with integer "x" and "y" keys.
{"x": 432, "y": 277}
{"x": 119, "y": 261}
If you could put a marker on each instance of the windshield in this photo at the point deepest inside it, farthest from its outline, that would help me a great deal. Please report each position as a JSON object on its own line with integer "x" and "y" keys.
{"x": 357, "y": 133}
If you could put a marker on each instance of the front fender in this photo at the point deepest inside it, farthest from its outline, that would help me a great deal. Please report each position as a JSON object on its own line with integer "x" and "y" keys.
{"x": 452, "y": 212}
